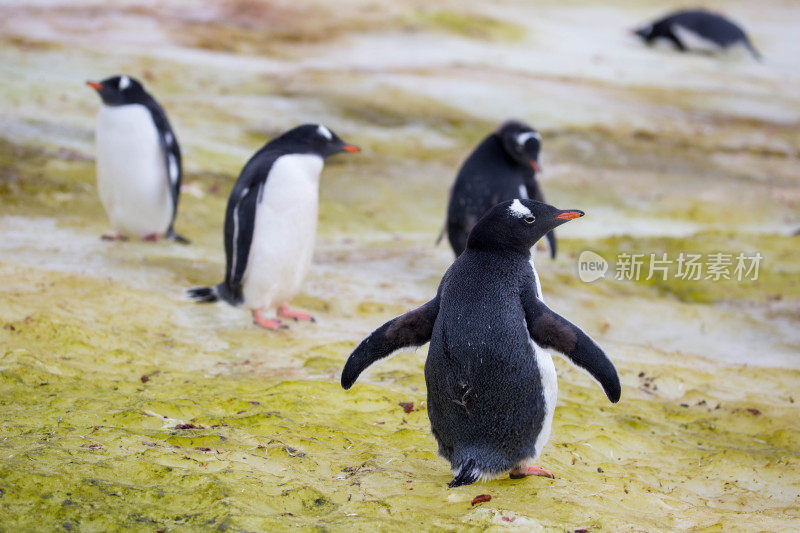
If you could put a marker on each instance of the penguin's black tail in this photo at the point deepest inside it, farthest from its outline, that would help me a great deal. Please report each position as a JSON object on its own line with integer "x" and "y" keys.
{"x": 204, "y": 295}
{"x": 467, "y": 474}
{"x": 752, "y": 49}
{"x": 180, "y": 239}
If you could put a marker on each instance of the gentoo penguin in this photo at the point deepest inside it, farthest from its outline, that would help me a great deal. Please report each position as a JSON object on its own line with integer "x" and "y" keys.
{"x": 697, "y": 30}
{"x": 271, "y": 223}
{"x": 138, "y": 161}
{"x": 491, "y": 385}
{"x": 502, "y": 167}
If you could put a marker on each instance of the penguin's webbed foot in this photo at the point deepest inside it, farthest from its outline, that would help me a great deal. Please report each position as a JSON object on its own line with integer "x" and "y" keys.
{"x": 525, "y": 471}
{"x": 113, "y": 237}
{"x": 285, "y": 311}
{"x": 152, "y": 237}
{"x": 267, "y": 323}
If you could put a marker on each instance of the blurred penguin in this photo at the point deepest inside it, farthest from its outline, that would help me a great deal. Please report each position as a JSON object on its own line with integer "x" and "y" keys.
{"x": 697, "y": 30}
{"x": 502, "y": 167}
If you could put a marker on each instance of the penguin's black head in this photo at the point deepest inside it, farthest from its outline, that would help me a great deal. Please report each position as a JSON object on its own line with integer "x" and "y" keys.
{"x": 119, "y": 90}
{"x": 518, "y": 224}
{"x": 521, "y": 142}
{"x": 317, "y": 139}
{"x": 646, "y": 32}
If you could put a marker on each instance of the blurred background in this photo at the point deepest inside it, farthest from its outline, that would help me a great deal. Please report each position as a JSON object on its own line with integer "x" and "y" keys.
{"x": 104, "y": 359}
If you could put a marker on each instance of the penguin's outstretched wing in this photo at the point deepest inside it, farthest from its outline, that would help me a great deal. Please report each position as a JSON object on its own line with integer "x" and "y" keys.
{"x": 172, "y": 159}
{"x": 550, "y": 330}
{"x": 535, "y": 193}
{"x": 410, "y": 329}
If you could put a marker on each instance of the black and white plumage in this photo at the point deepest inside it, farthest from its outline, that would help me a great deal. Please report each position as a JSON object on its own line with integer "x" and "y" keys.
{"x": 492, "y": 387}
{"x": 697, "y": 30}
{"x": 271, "y": 221}
{"x": 139, "y": 167}
{"x": 502, "y": 167}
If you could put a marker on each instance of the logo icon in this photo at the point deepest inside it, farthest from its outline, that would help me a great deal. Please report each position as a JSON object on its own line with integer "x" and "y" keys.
{"x": 591, "y": 266}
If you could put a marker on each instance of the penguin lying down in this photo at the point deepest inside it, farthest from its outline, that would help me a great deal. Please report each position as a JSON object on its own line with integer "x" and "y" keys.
{"x": 697, "y": 30}
{"x": 492, "y": 387}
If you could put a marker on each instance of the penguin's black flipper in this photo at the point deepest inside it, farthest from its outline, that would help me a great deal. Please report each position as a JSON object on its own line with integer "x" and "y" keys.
{"x": 676, "y": 41}
{"x": 410, "y": 329}
{"x": 535, "y": 193}
{"x": 441, "y": 234}
{"x": 446, "y": 219}
{"x": 239, "y": 227}
{"x": 551, "y": 241}
{"x": 172, "y": 159}
{"x": 550, "y": 330}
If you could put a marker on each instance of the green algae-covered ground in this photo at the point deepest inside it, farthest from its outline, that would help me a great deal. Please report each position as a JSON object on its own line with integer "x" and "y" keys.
{"x": 126, "y": 406}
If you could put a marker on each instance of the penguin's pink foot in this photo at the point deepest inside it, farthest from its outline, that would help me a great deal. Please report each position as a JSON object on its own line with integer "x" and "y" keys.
{"x": 114, "y": 237}
{"x": 285, "y": 311}
{"x": 267, "y": 323}
{"x": 524, "y": 471}
{"x": 153, "y": 237}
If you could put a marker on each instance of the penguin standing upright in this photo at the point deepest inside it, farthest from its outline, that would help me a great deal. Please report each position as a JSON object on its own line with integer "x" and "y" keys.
{"x": 697, "y": 30}
{"x": 492, "y": 387}
{"x": 138, "y": 162}
{"x": 271, "y": 223}
{"x": 502, "y": 167}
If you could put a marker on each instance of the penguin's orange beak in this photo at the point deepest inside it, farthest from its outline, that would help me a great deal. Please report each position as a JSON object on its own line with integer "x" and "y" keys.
{"x": 350, "y": 148}
{"x": 569, "y": 215}
{"x": 535, "y": 165}
{"x": 95, "y": 85}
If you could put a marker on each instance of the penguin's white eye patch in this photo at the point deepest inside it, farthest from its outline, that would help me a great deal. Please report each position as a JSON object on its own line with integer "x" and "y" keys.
{"x": 518, "y": 210}
{"x": 124, "y": 83}
{"x": 522, "y": 138}
{"x": 325, "y": 132}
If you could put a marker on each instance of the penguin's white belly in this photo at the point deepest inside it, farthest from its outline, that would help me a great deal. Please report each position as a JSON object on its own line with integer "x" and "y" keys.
{"x": 284, "y": 230}
{"x": 547, "y": 373}
{"x": 536, "y": 276}
{"x": 694, "y": 41}
{"x": 131, "y": 171}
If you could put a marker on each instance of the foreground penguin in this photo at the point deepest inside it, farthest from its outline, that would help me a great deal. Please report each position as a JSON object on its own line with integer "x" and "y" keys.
{"x": 138, "y": 162}
{"x": 502, "y": 167}
{"x": 491, "y": 385}
{"x": 271, "y": 223}
{"x": 697, "y": 30}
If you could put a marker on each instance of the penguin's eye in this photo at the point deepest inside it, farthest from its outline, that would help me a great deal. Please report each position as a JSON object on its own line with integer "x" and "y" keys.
{"x": 529, "y": 219}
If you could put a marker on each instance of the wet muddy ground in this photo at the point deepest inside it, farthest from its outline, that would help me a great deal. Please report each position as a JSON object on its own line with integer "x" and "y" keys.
{"x": 123, "y": 404}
